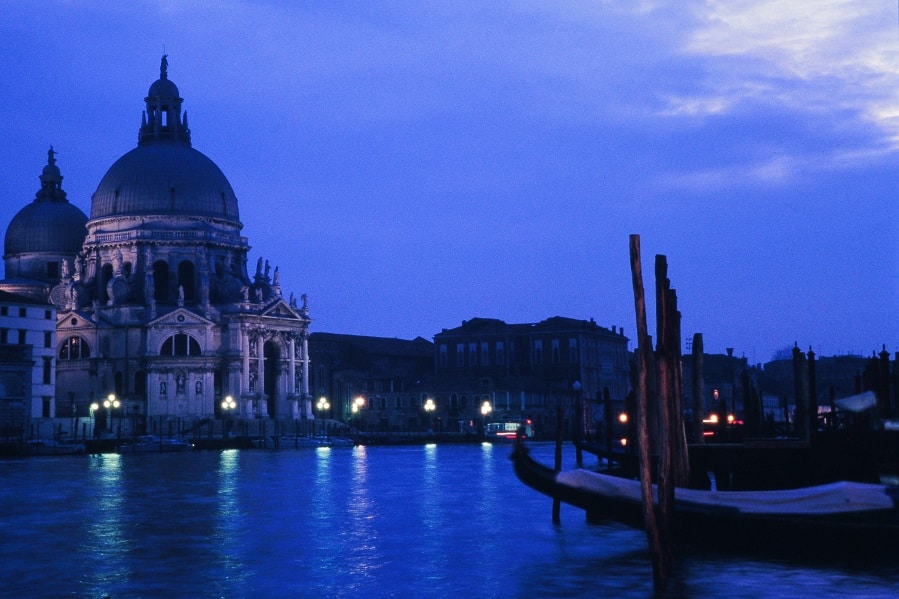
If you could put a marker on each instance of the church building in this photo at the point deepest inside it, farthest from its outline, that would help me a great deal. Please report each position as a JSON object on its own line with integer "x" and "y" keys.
{"x": 155, "y": 302}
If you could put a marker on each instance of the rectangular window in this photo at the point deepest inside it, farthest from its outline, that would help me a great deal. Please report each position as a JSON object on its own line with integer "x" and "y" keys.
{"x": 573, "y": 356}
{"x": 21, "y": 337}
{"x": 48, "y": 369}
{"x": 556, "y": 353}
{"x": 500, "y": 353}
{"x": 48, "y": 339}
{"x": 4, "y": 310}
{"x": 460, "y": 355}
{"x": 45, "y": 407}
{"x": 472, "y": 354}
{"x": 22, "y": 312}
{"x": 4, "y": 336}
{"x": 442, "y": 356}
{"x": 538, "y": 352}
{"x": 485, "y": 354}
{"x": 48, "y": 315}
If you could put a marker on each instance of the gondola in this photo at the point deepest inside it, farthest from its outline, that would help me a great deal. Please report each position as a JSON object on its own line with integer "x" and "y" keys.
{"x": 838, "y": 519}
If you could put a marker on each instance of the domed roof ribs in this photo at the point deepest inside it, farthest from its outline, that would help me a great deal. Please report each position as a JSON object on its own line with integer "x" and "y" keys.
{"x": 162, "y": 120}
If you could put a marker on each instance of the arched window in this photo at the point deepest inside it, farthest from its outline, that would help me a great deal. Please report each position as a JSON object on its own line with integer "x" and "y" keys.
{"x": 161, "y": 281}
{"x": 186, "y": 279}
{"x": 74, "y": 348}
{"x": 180, "y": 345}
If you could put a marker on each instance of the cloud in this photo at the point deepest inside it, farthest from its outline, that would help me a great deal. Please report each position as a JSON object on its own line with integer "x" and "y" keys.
{"x": 840, "y": 54}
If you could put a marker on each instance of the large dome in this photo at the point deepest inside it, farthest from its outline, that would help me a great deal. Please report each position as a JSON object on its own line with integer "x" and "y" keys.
{"x": 166, "y": 179}
{"x": 49, "y": 224}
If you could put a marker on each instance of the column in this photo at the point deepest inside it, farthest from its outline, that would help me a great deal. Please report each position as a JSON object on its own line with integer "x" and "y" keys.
{"x": 292, "y": 376}
{"x": 245, "y": 370}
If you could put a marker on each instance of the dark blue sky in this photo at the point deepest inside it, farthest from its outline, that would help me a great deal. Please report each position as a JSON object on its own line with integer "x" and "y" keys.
{"x": 410, "y": 165}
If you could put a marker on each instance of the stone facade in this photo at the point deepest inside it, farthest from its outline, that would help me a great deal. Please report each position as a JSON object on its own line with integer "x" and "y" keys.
{"x": 157, "y": 305}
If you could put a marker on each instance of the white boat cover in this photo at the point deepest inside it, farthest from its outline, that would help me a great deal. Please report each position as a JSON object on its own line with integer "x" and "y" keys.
{"x": 857, "y": 403}
{"x": 834, "y": 498}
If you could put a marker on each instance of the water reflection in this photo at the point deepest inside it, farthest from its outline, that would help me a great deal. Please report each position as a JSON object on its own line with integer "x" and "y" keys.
{"x": 363, "y": 536}
{"x": 107, "y": 543}
{"x": 438, "y": 521}
{"x": 228, "y": 521}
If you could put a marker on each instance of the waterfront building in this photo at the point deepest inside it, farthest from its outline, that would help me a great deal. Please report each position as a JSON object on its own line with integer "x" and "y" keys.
{"x": 152, "y": 293}
{"x": 376, "y": 382}
{"x": 27, "y": 347}
{"x": 522, "y": 371}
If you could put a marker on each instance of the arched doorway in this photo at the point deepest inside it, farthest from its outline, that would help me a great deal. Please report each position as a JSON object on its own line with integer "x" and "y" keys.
{"x": 272, "y": 354}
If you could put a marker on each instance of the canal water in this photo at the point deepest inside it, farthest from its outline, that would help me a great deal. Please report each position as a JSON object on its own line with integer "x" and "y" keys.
{"x": 422, "y": 521}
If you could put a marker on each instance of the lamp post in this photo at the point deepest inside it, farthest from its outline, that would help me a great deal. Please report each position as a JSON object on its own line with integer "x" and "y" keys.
{"x": 429, "y": 408}
{"x": 322, "y": 406}
{"x": 111, "y": 403}
{"x": 228, "y": 405}
{"x": 94, "y": 407}
{"x": 356, "y": 407}
{"x": 486, "y": 408}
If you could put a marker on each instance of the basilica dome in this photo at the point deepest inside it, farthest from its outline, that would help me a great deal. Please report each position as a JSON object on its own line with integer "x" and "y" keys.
{"x": 49, "y": 224}
{"x": 164, "y": 176}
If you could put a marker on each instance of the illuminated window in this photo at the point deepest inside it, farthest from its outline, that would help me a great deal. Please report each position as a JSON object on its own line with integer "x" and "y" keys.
{"x": 74, "y": 348}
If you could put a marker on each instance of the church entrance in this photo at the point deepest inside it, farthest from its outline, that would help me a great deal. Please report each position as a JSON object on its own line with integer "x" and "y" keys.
{"x": 272, "y": 354}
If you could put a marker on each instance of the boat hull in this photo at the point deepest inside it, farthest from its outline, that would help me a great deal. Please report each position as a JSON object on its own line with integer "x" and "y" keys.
{"x": 871, "y": 530}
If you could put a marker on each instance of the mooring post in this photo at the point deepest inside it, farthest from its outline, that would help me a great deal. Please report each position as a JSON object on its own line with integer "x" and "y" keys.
{"x": 660, "y": 562}
{"x": 557, "y": 516}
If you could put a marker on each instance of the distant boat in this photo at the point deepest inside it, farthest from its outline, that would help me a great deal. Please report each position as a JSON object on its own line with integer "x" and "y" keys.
{"x": 508, "y": 430}
{"x": 53, "y": 447}
{"x": 841, "y": 518}
{"x": 152, "y": 443}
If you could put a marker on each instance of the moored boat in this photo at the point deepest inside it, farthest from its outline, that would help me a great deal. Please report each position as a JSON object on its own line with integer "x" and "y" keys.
{"x": 152, "y": 443}
{"x": 837, "y": 519}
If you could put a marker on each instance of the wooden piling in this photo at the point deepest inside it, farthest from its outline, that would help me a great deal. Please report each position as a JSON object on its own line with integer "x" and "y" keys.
{"x": 698, "y": 389}
{"x": 661, "y": 560}
{"x": 557, "y": 516}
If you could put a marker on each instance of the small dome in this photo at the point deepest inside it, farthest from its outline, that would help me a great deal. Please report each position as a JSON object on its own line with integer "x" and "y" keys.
{"x": 164, "y": 179}
{"x": 52, "y": 227}
{"x": 49, "y": 223}
{"x": 163, "y": 88}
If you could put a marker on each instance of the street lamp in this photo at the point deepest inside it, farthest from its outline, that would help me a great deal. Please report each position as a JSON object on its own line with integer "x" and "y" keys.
{"x": 111, "y": 403}
{"x": 322, "y": 406}
{"x": 429, "y": 408}
{"x": 228, "y": 405}
{"x": 94, "y": 407}
{"x": 358, "y": 404}
{"x": 486, "y": 408}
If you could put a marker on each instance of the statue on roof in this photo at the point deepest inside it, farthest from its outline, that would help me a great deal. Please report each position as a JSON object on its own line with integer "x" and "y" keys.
{"x": 164, "y": 67}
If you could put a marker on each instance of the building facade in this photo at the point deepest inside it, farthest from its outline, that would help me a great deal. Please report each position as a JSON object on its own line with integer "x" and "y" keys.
{"x": 523, "y": 371}
{"x": 376, "y": 382}
{"x": 27, "y": 365}
{"x": 155, "y": 301}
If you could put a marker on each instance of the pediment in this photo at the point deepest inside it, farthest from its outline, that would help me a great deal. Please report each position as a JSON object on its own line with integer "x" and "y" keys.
{"x": 74, "y": 321}
{"x": 281, "y": 309}
{"x": 180, "y": 317}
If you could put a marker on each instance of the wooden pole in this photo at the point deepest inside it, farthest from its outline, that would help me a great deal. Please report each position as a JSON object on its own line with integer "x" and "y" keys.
{"x": 663, "y": 369}
{"x": 557, "y": 517}
{"x": 660, "y": 563}
{"x": 678, "y": 430}
{"x": 698, "y": 389}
